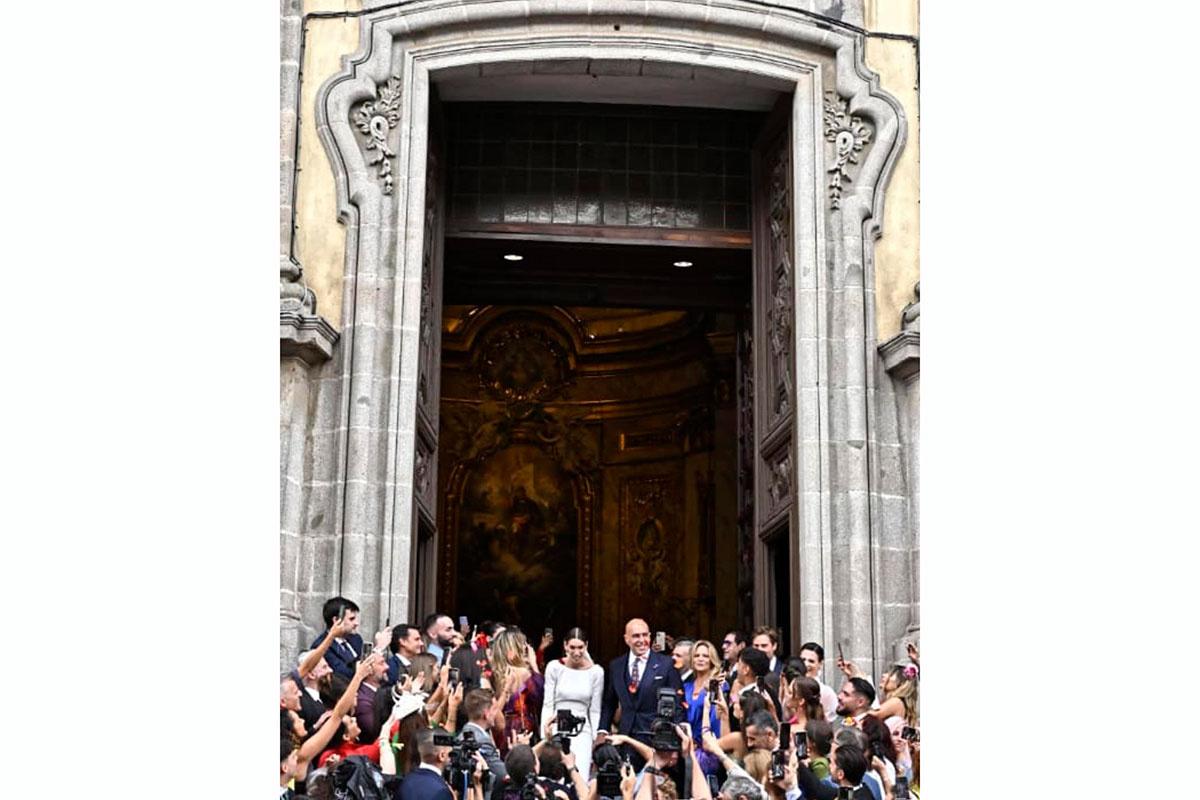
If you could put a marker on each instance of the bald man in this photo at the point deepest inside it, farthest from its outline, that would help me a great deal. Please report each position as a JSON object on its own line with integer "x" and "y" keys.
{"x": 633, "y": 681}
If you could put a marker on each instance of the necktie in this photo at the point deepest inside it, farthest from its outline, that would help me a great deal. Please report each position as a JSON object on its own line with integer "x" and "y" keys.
{"x": 633, "y": 676}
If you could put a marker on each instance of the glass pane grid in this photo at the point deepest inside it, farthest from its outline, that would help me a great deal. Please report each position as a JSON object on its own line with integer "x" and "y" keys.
{"x": 600, "y": 166}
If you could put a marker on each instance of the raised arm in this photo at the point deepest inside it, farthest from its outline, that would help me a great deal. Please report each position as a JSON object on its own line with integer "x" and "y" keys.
{"x": 644, "y": 750}
{"x": 892, "y": 707}
{"x": 314, "y": 657}
{"x": 320, "y": 738}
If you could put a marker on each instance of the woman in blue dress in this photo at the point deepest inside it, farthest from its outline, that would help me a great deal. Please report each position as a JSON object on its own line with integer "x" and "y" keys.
{"x": 704, "y": 666}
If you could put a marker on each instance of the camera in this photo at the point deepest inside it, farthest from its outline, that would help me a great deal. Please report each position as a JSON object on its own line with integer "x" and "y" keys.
{"x": 529, "y": 787}
{"x": 845, "y": 793}
{"x": 910, "y": 734}
{"x": 778, "y": 763}
{"x": 566, "y": 725}
{"x": 663, "y": 735}
{"x": 714, "y": 690}
{"x": 462, "y": 758}
{"x": 608, "y": 780}
{"x": 801, "y": 745}
{"x": 900, "y": 791}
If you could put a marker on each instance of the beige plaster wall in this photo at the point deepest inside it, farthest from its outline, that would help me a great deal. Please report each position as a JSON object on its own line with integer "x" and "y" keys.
{"x": 897, "y": 253}
{"x": 320, "y": 238}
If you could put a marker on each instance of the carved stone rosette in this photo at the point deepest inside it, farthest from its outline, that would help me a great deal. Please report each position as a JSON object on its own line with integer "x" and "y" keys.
{"x": 849, "y": 135}
{"x": 375, "y": 119}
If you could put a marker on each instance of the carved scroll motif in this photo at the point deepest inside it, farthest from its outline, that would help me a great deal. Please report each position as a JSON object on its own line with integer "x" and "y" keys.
{"x": 375, "y": 118}
{"x": 849, "y": 135}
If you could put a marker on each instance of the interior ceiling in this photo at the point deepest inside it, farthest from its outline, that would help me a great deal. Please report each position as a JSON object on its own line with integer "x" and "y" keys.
{"x": 589, "y": 275}
{"x": 633, "y": 82}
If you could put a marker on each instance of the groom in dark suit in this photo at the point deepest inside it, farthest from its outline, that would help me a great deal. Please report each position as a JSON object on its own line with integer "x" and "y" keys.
{"x": 633, "y": 681}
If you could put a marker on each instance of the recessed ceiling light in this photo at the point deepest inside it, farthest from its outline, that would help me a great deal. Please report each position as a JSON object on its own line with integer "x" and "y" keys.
{"x": 513, "y": 257}
{"x": 683, "y": 263}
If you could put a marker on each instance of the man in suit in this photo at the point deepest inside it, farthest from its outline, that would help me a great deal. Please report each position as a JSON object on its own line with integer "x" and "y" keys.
{"x": 481, "y": 710}
{"x": 632, "y": 683}
{"x": 406, "y": 643}
{"x": 426, "y": 782}
{"x": 345, "y": 651}
{"x": 766, "y": 639}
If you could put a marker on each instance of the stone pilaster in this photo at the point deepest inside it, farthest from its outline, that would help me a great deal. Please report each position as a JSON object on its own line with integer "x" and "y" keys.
{"x": 901, "y": 356}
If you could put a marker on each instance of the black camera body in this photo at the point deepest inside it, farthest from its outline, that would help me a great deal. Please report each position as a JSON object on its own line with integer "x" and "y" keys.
{"x": 529, "y": 787}
{"x": 567, "y": 724}
{"x": 663, "y": 735}
{"x": 462, "y": 760}
{"x": 608, "y": 780}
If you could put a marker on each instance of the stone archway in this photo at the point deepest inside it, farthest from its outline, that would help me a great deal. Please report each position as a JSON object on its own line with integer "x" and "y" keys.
{"x": 372, "y": 120}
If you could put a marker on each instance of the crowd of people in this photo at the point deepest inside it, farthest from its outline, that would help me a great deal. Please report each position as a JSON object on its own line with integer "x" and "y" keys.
{"x": 443, "y": 713}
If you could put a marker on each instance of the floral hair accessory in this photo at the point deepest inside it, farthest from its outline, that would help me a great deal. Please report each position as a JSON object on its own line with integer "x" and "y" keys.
{"x": 910, "y": 671}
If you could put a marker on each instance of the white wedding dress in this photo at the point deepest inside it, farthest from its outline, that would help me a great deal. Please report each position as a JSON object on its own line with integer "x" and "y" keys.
{"x": 579, "y": 691}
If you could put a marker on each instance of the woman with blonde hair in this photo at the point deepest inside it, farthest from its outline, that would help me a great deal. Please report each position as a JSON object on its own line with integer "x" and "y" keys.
{"x": 701, "y": 711}
{"x": 514, "y": 675}
{"x": 898, "y": 691}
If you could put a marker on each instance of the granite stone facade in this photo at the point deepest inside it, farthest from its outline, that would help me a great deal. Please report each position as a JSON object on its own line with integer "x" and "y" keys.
{"x": 352, "y": 404}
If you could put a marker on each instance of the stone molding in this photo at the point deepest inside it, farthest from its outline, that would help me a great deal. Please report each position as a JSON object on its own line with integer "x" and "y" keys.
{"x": 303, "y": 333}
{"x": 831, "y": 250}
{"x": 902, "y": 354}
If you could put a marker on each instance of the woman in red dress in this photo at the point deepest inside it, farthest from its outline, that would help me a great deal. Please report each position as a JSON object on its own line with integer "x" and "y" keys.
{"x": 514, "y": 673}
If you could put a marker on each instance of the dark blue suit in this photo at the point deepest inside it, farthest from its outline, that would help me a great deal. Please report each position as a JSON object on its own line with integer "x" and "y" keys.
{"x": 339, "y": 659}
{"x": 422, "y": 784}
{"x": 637, "y": 710}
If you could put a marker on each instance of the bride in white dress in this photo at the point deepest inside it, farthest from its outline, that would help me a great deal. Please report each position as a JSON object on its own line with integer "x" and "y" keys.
{"x": 575, "y": 683}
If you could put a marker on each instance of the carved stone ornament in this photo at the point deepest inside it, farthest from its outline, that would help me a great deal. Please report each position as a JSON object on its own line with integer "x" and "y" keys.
{"x": 375, "y": 118}
{"x": 849, "y": 135}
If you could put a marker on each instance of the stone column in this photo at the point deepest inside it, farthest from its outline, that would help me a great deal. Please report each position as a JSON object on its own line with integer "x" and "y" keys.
{"x": 305, "y": 341}
{"x": 902, "y": 359}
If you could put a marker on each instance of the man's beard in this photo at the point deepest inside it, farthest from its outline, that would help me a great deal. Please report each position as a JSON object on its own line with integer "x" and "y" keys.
{"x": 842, "y": 711}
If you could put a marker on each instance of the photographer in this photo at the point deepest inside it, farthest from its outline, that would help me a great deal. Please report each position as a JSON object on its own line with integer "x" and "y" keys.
{"x": 426, "y": 782}
{"x": 559, "y": 770}
{"x": 851, "y": 770}
{"x": 481, "y": 708}
{"x": 521, "y": 782}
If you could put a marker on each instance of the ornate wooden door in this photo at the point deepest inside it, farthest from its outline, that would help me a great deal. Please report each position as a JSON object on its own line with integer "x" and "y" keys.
{"x": 423, "y": 564}
{"x": 774, "y": 398}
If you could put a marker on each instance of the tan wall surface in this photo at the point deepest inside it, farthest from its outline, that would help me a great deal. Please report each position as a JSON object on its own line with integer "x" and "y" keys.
{"x": 892, "y": 16}
{"x": 320, "y": 238}
{"x": 897, "y": 253}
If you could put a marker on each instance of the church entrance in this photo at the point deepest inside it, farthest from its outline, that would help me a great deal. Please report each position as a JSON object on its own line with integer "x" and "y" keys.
{"x": 595, "y": 438}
